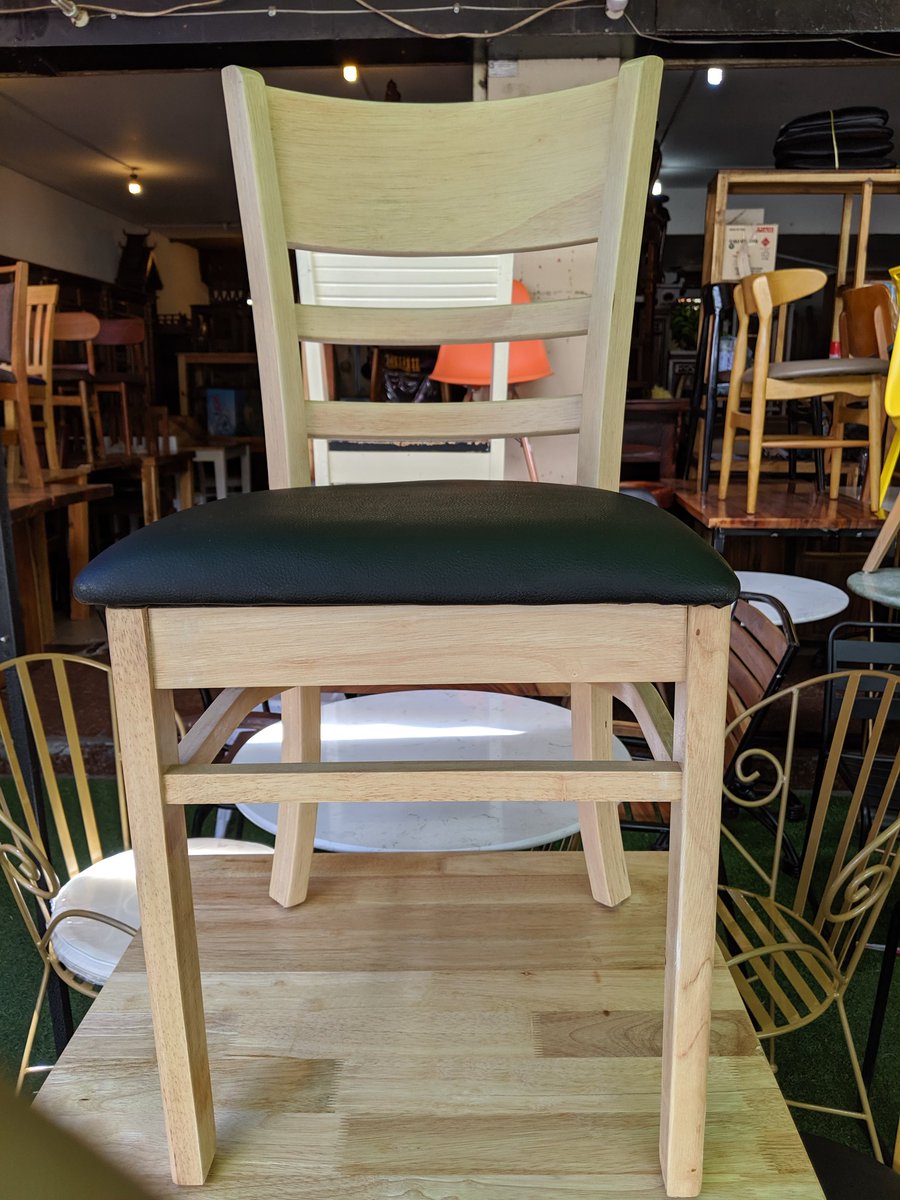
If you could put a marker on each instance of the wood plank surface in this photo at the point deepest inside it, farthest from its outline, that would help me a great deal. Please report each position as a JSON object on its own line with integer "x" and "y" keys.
{"x": 430, "y": 1027}
{"x": 779, "y": 507}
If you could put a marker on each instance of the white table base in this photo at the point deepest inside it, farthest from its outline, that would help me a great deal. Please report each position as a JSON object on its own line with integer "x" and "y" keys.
{"x": 428, "y": 725}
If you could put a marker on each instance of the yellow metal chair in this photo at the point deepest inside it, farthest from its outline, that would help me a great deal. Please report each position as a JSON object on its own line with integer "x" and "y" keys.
{"x": 81, "y": 912}
{"x": 794, "y": 944}
{"x": 892, "y": 408}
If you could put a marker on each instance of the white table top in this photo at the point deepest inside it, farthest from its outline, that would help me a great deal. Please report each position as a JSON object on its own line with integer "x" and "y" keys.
{"x": 433, "y": 724}
{"x": 805, "y": 599}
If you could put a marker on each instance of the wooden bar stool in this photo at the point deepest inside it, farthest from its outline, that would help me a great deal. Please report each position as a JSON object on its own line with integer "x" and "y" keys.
{"x": 420, "y": 583}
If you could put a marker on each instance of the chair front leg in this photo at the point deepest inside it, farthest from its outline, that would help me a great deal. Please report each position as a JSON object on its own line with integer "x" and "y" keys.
{"x": 601, "y": 834}
{"x": 294, "y": 840}
{"x": 691, "y": 913}
{"x": 146, "y": 720}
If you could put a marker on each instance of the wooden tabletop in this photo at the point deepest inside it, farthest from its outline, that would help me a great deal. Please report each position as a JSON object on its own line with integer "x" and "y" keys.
{"x": 25, "y": 502}
{"x": 449, "y": 1027}
{"x": 781, "y": 506}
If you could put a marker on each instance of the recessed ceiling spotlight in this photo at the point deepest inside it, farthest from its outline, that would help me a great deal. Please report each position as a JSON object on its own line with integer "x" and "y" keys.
{"x": 656, "y": 190}
{"x": 350, "y": 71}
{"x": 134, "y": 184}
{"x": 714, "y": 76}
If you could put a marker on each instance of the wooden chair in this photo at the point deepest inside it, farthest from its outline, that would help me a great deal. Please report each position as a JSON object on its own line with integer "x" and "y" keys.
{"x": 866, "y": 327}
{"x": 772, "y": 379}
{"x": 421, "y": 582}
{"x": 122, "y": 367}
{"x": 793, "y": 945}
{"x": 77, "y": 329}
{"x": 80, "y": 911}
{"x": 16, "y": 388}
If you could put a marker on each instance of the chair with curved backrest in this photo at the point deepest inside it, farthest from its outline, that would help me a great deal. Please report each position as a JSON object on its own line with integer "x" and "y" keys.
{"x": 892, "y": 408}
{"x": 73, "y": 329}
{"x": 793, "y": 944}
{"x": 80, "y": 909}
{"x": 772, "y": 379}
{"x": 417, "y": 583}
{"x": 121, "y": 365}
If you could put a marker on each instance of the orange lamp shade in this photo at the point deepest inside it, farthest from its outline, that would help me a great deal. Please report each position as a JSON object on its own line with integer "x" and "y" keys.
{"x": 470, "y": 365}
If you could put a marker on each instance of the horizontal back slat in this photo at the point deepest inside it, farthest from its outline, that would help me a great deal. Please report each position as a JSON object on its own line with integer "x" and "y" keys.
{"x": 346, "y": 420}
{"x": 352, "y": 326}
{"x": 452, "y": 178}
{"x": 379, "y": 282}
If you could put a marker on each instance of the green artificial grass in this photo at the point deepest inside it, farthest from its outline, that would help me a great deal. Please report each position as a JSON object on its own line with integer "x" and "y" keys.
{"x": 812, "y": 1063}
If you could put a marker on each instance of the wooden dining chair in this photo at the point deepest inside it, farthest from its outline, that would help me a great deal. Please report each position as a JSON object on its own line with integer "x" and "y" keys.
{"x": 73, "y": 380}
{"x": 772, "y": 379}
{"x": 15, "y": 385}
{"x": 417, "y": 583}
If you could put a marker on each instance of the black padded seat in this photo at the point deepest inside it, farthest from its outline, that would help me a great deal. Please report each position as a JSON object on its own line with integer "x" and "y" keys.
{"x": 450, "y": 542}
{"x": 804, "y": 368}
{"x": 6, "y": 376}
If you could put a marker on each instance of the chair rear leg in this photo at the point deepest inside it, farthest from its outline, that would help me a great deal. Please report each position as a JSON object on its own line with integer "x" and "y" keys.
{"x": 601, "y": 834}
{"x": 294, "y": 840}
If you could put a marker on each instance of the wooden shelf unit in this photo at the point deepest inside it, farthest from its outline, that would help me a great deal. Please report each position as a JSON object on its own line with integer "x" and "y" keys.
{"x": 863, "y": 185}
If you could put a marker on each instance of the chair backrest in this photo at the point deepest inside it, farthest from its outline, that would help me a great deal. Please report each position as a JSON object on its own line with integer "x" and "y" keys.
{"x": 549, "y": 171}
{"x": 866, "y": 322}
{"x": 41, "y": 686}
{"x": 121, "y": 344}
{"x": 76, "y": 328}
{"x": 844, "y": 878}
{"x": 759, "y": 654}
{"x": 767, "y": 296}
{"x": 13, "y": 315}
{"x": 354, "y": 280}
{"x": 42, "y": 301}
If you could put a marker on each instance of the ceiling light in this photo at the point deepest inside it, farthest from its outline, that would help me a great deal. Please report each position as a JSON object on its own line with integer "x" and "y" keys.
{"x": 615, "y": 9}
{"x": 350, "y": 72}
{"x": 656, "y": 190}
{"x": 714, "y": 76}
{"x": 134, "y": 184}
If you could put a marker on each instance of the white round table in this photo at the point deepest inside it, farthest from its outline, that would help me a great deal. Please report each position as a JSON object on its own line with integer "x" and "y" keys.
{"x": 805, "y": 599}
{"x": 433, "y": 724}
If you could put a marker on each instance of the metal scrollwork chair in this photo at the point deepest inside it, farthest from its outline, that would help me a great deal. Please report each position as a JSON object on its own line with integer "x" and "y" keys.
{"x": 793, "y": 947}
{"x": 417, "y": 583}
{"x": 80, "y": 911}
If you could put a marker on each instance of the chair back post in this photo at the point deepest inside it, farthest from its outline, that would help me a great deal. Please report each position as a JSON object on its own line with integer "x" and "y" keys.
{"x": 271, "y": 288}
{"x": 615, "y": 275}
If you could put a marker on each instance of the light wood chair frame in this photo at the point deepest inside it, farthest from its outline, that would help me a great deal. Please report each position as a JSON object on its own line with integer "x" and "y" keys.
{"x": 79, "y": 327}
{"x": 17, "y": 395}
{"x": 586, "y": 192}
{"x": 762, "y": 295}
{"x": 793, "y": 958}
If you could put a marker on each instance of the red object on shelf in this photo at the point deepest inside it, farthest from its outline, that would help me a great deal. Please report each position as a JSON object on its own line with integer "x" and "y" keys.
{"x": 470, "y": 364}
